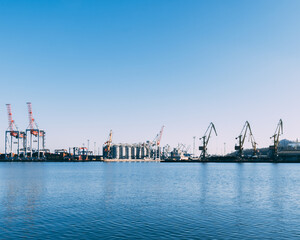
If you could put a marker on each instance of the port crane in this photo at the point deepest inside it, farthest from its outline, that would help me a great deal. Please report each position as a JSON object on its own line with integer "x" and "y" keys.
{"x": 157, "y": 139}
{"x": 108, "y": 143}
{"x": 12, "y": 128}
{"x": 156, "y": 142}
{"x": 205, "y": 139}
{"x": 34, "y": 129}
{"x": 13, "y": 133}
{"x": 241, "y": 140}
{"x": 36, "y": 135}
{"x": 279, "y": 131}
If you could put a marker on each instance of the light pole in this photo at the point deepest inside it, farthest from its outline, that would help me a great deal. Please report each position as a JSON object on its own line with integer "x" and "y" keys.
{"x": 194, "y": 146}
{"x": 88, "y": 146}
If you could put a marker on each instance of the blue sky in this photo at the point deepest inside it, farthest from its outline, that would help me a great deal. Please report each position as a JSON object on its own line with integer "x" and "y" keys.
{"x": 133, "y": 66}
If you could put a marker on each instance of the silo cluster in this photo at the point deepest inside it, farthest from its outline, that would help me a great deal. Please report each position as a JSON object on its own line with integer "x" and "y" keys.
{"x": 130, "y": 151}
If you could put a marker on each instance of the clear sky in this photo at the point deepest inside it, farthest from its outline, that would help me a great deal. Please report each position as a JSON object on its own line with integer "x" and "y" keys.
{"x": 133, "y": 66}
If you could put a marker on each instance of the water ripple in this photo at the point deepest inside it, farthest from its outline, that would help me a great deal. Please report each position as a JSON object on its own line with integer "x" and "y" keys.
{"x": 149, "y": 201}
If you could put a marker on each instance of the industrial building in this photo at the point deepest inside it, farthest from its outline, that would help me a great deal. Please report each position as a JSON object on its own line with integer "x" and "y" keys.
{"x": 132, "y": 151}
{"x": 147, "y": 150}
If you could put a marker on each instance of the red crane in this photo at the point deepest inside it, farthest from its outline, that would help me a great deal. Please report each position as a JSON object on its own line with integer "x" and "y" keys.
{"x": 32, "y": 124}
{"x": 157, "y": 139}
{"x": 160, "y": 135}
{"x": 11, "y": 122}
{"x": 156, "y": 142}
{"x": 13, "y": 129}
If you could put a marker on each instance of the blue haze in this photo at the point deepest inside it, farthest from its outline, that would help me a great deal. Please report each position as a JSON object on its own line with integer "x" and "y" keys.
{"x": 132, "y": 66}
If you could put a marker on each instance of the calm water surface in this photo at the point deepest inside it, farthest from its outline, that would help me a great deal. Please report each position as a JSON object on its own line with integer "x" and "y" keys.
{"x": 149, "y": 201}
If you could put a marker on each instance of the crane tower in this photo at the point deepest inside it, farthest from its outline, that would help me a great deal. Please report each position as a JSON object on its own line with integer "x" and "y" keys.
{"x": 13, "y": 137}
{"x": 206, "y": 139}
{"x": 36, "y": 145}
{"x": 279, "y": 131}
{"x": 241, "y": 140}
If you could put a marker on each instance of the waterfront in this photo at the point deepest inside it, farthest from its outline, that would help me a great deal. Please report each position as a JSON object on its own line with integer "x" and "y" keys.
{"x": 90, "y": 200}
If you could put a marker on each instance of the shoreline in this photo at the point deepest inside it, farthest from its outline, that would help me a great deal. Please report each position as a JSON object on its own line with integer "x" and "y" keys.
{"x": 213, "y": 160}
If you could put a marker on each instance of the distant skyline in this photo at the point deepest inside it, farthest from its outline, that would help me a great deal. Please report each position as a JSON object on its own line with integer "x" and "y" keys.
{"x": 133, "y": 66}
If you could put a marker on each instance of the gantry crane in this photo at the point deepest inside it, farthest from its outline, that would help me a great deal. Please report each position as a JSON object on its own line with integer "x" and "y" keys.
{"x": 279, "y": 131}
{"x": 107, "y": 146}
{"x": 205, "y": 139}
{"x": 13, "y": 133}
{"x": 241, "y": 140}
{"x": 36, "y": 135}
{"x": 34, "y": 129}
{"x": 11, "y": 123}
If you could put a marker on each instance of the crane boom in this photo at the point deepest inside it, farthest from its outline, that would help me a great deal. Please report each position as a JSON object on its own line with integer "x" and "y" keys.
{"x": 31, "y": 119}
{"x": 11, "y": 122}
{"x": 32, "y": 123}
{"x": 253, "y": 142}
{"x": 158, "y": 137}
{"x": 212, "y": 127}
{"x": 278, "y": 132}
{"x": 245, "y": 132}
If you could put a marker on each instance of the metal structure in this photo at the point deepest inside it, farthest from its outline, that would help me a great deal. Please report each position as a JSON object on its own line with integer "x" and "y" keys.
{"x": 156, "y": 144}
{"x": 36, "y": 145}
{"x": 80, "y": 153}
{"x": 166, "y": 151}
{"x": 241, "y": 140}
{"x": 12, "y": 134}
{"x": 107, "y": 146}
{"x": 194, "y": 138}
{"x": 279, "y": 131}
{"x": 205, "y": 140}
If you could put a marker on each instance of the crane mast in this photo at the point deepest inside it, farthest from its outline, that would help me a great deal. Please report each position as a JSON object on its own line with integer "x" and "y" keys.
{"x": 11, "y": 122}
{"x": 156, "y": 143}
{"x": 35, "y": 135}
{"x": 32, "y": 123}
{"x": 11, "y": 133}
{"x": 31, "y": 119}
{"x": 205, "y": 139}
{"x": 158, "y": 137}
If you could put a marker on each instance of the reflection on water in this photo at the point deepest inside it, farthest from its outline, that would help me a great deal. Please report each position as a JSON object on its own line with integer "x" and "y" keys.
{"x": 20, "y": 194}
{"x": 149, "y": 200}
